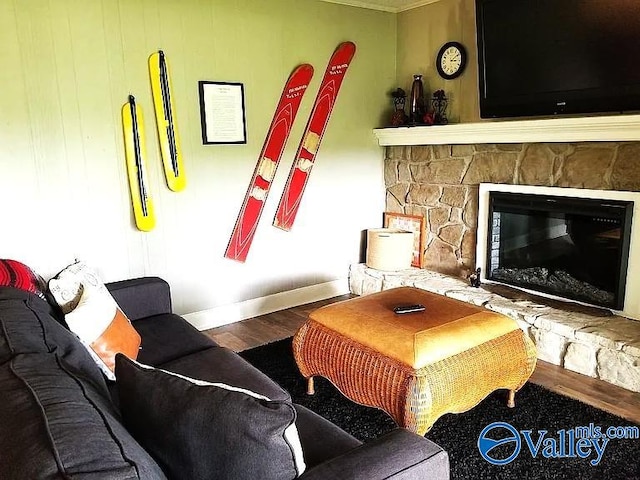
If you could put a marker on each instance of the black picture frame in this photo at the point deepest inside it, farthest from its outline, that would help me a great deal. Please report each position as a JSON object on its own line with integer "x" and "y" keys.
{"x": 222, "y": 113}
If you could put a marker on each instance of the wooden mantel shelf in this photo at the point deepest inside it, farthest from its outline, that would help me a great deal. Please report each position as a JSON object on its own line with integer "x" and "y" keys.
{"x": 582, "y": 129}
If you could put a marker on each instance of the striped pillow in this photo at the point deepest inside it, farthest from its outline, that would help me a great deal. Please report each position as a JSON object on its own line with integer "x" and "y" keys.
{"x": 18, "y": 275}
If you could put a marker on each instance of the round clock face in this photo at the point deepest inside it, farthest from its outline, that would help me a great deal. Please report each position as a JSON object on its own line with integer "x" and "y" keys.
{"x": 451, "y": 60}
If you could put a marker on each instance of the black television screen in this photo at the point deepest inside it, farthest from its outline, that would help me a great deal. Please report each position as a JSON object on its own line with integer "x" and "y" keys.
{"x": 546, "y": 57}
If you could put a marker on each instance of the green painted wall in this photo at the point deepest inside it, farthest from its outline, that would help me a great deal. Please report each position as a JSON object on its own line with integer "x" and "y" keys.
{"x": 421, "y": 33}
{"x": 67, "y": 69}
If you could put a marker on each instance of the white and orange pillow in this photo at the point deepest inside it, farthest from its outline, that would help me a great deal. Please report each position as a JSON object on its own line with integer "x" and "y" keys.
{"x": 94, "y": 316}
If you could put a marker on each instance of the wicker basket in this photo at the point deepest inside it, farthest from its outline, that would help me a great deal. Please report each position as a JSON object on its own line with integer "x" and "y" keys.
{"x": 389, "y": 249}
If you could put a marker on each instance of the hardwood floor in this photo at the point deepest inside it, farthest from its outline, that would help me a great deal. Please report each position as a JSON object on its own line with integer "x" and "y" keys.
{"x": 278, "y": 325}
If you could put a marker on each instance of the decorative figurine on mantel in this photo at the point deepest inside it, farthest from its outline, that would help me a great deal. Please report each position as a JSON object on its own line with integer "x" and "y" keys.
{"x": 398, "y": 118}
{"x": 439, "y": 104}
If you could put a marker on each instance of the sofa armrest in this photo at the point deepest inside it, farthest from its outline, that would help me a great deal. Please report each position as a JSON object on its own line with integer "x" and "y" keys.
{"x": 399, "y": 454}
{"x": 142, "y": 297}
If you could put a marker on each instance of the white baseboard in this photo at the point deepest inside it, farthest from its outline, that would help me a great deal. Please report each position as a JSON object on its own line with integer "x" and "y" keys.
{"x": 226, "y": 314}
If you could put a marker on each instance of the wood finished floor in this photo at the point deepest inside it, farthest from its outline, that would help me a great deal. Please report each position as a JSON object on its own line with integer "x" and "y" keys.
{"x": 278, "y": 325}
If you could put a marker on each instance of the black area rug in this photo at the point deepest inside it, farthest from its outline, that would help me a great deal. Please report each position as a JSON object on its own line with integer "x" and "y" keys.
{"x": 536, "y": 409}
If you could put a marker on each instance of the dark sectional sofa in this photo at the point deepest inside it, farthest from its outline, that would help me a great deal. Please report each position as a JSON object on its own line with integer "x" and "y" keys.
{"x": 60, "y": 418}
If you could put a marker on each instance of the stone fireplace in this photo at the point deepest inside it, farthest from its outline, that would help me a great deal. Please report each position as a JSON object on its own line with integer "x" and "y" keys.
{"x": 441, "y": 183}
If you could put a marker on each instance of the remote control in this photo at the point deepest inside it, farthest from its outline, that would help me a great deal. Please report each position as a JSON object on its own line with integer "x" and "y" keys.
{"x": 408, "y": 309}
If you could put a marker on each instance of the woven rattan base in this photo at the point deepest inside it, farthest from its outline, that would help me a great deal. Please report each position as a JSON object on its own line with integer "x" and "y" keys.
{"x": 414, "y": 397}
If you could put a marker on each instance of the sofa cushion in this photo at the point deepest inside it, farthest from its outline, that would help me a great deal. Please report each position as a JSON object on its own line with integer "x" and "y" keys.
{"x": 159, "y": 335}
{"x": 27, "y": 326}
{"x": 55, "y": 406}
{"x": 312, "y": 427}
{"x": 142, "y": 297}
{"x": 195, "y": 428}
{"x": 219, "y": 364}
{"x": 54, "y": 424}
{"x": 92, "y": 313}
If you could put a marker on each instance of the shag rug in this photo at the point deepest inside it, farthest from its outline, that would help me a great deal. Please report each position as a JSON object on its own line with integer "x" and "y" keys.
{"x": 537, "y": 409}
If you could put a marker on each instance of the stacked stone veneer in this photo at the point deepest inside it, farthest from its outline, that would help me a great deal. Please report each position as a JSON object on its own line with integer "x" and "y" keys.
{"x": 441, "y": 182}
{"x": 588, "y": 341}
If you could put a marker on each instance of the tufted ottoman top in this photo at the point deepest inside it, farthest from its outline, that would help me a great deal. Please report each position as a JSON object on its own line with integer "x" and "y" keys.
{"x": 445, "y": 328}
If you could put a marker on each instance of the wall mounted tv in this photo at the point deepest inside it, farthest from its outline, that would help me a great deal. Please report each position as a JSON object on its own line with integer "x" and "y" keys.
{"x": 547, "y": 57}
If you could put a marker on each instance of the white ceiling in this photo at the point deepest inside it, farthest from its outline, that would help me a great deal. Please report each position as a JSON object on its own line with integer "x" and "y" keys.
{"x": 384, "y": 5}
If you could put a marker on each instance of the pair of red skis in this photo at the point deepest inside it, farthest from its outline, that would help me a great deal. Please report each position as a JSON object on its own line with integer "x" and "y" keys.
{"x": 276, "y": 138}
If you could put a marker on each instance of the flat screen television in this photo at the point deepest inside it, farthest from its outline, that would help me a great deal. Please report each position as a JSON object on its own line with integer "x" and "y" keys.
{"x": 549, "y": 57}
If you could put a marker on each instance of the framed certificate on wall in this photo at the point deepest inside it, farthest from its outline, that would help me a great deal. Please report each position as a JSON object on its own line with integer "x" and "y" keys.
{"x": 222, "y": 112}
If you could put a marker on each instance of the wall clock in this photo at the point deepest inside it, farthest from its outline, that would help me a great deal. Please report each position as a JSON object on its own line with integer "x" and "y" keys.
{"x": 451, "y": 60}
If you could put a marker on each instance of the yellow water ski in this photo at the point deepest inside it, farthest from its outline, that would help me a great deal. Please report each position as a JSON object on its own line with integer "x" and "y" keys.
{"x": 134, "y": 142}
{"x": 166, "y": 122}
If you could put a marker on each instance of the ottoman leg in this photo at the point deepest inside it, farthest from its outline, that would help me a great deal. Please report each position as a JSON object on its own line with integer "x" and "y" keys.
{"x": 310, "y": 387}
{"x": 512, "y": 399}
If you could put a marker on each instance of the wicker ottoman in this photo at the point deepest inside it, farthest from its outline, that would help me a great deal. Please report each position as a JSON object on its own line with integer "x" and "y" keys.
{"x": 416, "y": 366}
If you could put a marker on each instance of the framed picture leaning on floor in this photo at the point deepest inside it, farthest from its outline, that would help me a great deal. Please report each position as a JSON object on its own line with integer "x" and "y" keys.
{"x": 412, "y": 223}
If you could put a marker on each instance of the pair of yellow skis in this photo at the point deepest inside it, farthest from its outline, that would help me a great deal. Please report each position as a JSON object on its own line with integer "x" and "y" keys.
{"x": 134, "y": 142}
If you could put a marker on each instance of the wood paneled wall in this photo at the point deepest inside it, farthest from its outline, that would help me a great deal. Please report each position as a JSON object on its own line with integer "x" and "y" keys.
{"x": 66, "y": 69}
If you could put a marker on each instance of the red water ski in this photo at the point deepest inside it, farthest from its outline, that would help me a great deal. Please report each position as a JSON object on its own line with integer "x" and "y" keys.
{"x": 256, "y": 196}
{"x": 326, "y": 98}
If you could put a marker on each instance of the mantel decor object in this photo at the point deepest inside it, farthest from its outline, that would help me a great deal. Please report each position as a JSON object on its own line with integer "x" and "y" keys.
{"x": 439, "y": 104}
{"x": 416, "y": 102}
{"x": 399, "y": 117}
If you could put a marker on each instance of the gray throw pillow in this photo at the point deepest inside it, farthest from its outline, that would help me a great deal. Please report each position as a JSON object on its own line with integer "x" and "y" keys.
{"x": 201, "y": 430}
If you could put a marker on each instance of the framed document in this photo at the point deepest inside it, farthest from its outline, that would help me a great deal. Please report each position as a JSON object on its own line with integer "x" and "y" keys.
{"x": 412, "y": 223}
{"x": 222, "y": 112}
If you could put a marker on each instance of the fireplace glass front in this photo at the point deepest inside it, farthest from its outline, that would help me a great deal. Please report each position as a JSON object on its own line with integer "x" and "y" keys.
{"x": 574, "y": 248}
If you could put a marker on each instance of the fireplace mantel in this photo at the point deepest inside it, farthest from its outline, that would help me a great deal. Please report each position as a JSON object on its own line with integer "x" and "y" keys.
{"x": 619, "y": 128}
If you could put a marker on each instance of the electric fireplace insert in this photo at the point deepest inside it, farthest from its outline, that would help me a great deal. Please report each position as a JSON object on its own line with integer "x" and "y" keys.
{"x": 570, "y": 247}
